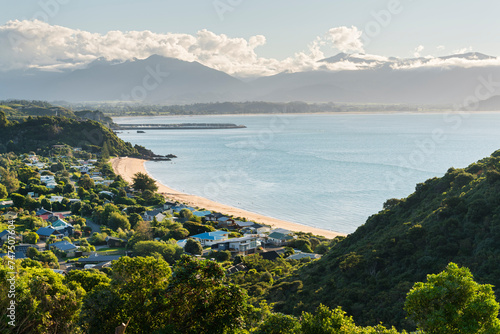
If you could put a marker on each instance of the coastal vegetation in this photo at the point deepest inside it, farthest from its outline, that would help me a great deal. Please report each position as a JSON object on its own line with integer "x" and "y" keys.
{"x": 409, "y": 267}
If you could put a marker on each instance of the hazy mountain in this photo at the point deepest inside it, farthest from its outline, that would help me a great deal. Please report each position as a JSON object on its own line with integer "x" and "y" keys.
{"x": 159, "y": 79}
{"x": 155, "y": 79}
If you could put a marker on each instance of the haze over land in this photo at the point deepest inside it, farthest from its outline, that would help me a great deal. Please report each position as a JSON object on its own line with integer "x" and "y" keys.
{"x": 56, "y": 63}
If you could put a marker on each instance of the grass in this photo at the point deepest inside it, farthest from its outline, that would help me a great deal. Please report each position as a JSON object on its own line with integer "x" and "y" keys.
{"x": 111, "y": 251}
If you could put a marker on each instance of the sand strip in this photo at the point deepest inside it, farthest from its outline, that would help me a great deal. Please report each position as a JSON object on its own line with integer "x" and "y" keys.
{"x": 127, "y": 167}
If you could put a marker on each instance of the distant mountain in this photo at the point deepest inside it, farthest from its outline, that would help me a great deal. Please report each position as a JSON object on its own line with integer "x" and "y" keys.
{"x": 154, "y": 80}
{"x": 161, "y": 80}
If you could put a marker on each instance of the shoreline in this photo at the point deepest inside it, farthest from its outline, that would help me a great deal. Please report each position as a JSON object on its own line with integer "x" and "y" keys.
{"x": 127, "y": 167}
{"x": 381, "y": 112}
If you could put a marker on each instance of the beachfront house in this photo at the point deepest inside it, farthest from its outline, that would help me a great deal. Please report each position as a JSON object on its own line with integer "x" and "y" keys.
{"x": 210, "y": 238}
{"x": 280, "y": 237}
{"x": 201, "y": 214}
{"x": 244, "y": 245}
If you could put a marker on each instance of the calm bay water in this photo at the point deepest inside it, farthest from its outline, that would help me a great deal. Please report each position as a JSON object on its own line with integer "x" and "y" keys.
{"x": 327, "y": 171}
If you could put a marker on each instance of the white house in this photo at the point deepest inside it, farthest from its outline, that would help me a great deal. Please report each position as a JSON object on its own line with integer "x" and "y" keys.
{"x": 210, "y": 238}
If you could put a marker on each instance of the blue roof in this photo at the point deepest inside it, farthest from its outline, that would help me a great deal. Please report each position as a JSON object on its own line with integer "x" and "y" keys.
{"x": 63, "y": 245}
{"x": 202, "y": 213}
{"x": 42, "y": 212}
{"x": 4, "y": 232}
{"x": 210, "y": 235}
{"x": 45, "y": 231}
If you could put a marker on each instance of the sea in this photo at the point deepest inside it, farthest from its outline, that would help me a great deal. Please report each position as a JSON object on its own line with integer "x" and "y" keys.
{"x": 330, "y": 171}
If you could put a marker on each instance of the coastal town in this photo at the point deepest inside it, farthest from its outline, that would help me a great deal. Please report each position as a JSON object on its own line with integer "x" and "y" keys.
{"x": 75, "y": 213}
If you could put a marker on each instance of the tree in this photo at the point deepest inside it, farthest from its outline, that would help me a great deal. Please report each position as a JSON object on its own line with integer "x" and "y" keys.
{"x": 452, "y": 302}
{"x": 88, "y": 279}
{"x": 86, "y": 182}
{"x": 31, "y": 238}
{"x": 200, "y": 300}
{"x": 117, "y": 220}
{"x": 9, "y": 180}
{"x": 3, "y": 120}
{"x": 44, "y": 304}
{"x": 278, "y": 323}
{"x": 185, "y": 214}
{"x": 133, "y": 294}
{"x": 193, "y": 247}
{"x": 3, "y": 192}
{"x": 169, "y": 252}
{"x": 18, "y": 200}
{"x": 142, "y": 182}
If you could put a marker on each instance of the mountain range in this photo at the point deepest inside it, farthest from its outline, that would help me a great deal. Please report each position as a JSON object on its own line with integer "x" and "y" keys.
{"x": 162, "y": 80}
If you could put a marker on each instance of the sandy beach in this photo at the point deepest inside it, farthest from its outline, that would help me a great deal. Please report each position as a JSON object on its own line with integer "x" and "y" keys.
{"x": 127, "y": 167}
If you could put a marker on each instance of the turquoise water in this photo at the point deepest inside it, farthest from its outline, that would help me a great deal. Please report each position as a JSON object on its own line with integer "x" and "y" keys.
{"x": 326, "y": 171}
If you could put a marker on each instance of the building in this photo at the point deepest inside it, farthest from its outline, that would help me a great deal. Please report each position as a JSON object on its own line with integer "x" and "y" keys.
{"x": 65, "y": 247}
{"x": 280, "y": 236}
{"x": 95, "y": 259}
{"x": 201, "y": 213}
{"x": 10, "y": 216}
{"x": 6, "y": 204}
{"x": 150, "y": 215}
{"x": 210, "y": 238}
{"x": 298, "y": 256}
{"x": 62, "y": 227}
{"x": 243, "y": 245}
{"x": 115, "y": 242}
{"x": 45, "y": 232}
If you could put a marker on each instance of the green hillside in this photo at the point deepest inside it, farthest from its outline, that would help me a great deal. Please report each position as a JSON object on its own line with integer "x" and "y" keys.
{"x": 43, "y": 132}
{"x": 18, "y": 110}
{"x": 455, "y": 218}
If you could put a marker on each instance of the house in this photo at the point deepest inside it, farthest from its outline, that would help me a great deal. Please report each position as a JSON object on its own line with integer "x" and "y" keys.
{"x": 241, "y": 224}
{"x": 225, "y": 222}
{"x": 299, "y": 256}
{"x": 4, "y": 236}
{"x": 115, "y": 242}
{"x": 178, "y": 208}
{"x": 107, "y": 193}
{"x": 62, "y": 227}
{"x": 280, "y": 236}
{"x": 210, "y": 238}
{"x": 47, "y": 178}
{"x": 243, "y": 245}
{"x": 65, "y": 247}
{"x": 270, "y": 256}
{"x": 150, "y": 215}
{"x": 42, "y": 212}
{"x": 17, "y": 255}
{"x": 10, "y": 216}
{"x": 45, "y": 232}
{"x": 94, "y": 258}
{"x": 181, "y": 243}
{"x": 201, "y": 213}
{"x": 213, "y": 217}
{"x": 56, "y": 199}
{"x": 6, "y": 204}
{"x": 23, "y": 248}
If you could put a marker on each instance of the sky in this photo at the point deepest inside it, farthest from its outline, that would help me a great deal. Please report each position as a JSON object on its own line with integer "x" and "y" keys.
{"x": 285, "y": 31}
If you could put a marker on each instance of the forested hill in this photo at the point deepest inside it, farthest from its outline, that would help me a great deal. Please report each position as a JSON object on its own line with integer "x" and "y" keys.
{"x": 452, "y": 218}
{"x": 21, "y": 109}
{"x": 35, "y": 133}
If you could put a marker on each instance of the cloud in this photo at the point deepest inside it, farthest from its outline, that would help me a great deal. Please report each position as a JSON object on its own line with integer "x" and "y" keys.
{"x": 36, "y": 44}
{"x": 462, "y": 50}
{"x": 418, "y": 49}
{"x": 440, "y": 47}
{"x": 345, "y": 39}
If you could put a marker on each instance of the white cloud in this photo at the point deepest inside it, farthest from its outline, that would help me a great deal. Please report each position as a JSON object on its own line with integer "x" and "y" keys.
{"x": 418, "y": 49}
{"x": 345, "y": 39}
{"x": 36, "y": 44}
{"x": 441, "y": 47}
{"x": 462, "y": 50}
